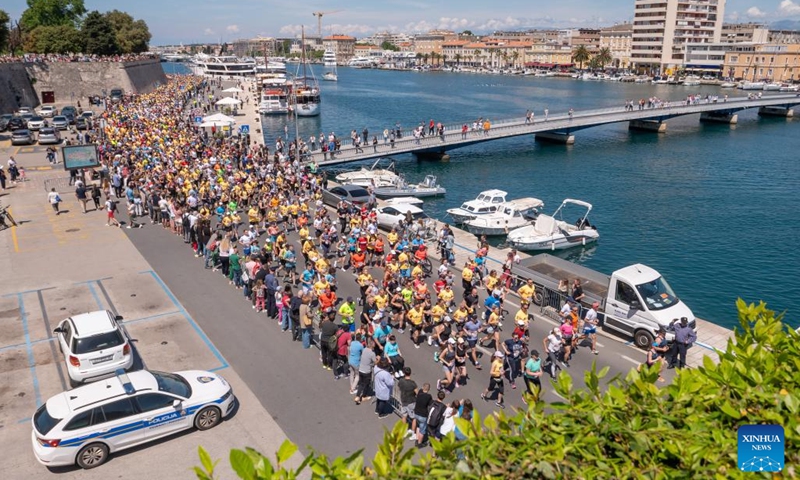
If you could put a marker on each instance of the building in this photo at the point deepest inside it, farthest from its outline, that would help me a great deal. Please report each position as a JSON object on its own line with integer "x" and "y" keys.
{"x": 588, "y": 37}
{"x": 618, "y": 40}
{"x": 367, "y": 50}
{"x": 380, "y": 37}
{"x": 783, "y": 36}
{"x": 709, "y": 58}
{"x": 343, "y": 46}
{"x": 548, "y": 55}
{"x": 744, "y": 33}
{"x": 772, "y": 62}
{"x": 662, "y": 28}
{"x": 259, "y": 46}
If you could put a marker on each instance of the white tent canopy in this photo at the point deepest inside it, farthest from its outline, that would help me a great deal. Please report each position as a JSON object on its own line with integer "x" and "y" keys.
{"x": 214, "y": 123}
{"x": 228, "y": 101}
{"x": 233, "y": 90}
{"x": 217, "y": 119}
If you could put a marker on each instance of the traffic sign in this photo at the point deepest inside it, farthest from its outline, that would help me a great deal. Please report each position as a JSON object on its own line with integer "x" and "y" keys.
{"x": 244, "y": 129}
{"x": 198, "y": 119}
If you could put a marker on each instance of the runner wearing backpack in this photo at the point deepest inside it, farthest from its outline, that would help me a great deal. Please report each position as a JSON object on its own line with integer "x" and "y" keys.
{"x": 435, "y": 419}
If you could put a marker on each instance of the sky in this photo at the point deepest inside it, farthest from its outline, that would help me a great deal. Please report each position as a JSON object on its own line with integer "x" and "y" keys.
{"x": 206, "y": 21}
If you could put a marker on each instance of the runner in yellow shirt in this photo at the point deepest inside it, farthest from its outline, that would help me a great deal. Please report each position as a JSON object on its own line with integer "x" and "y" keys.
{"x": 414, "y": 317}
{"x": 526, "y": 293}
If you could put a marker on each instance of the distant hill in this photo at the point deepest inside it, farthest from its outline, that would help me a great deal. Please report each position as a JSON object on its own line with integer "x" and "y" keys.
{"x": 786, "y": 25}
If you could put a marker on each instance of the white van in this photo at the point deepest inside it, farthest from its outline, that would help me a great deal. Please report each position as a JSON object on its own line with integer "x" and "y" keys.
{"x": 83, "y": 426}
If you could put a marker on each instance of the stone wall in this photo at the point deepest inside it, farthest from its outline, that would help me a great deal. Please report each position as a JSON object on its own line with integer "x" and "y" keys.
{"x": 71, "y": 82}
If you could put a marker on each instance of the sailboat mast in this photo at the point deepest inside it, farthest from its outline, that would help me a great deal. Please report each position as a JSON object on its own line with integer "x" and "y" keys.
{"x": 303, "y": 49}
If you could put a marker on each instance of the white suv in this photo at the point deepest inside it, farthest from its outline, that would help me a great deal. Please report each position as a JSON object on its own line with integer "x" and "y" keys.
{"x": 83, "y": 426}
{"x": 94, "y": 346}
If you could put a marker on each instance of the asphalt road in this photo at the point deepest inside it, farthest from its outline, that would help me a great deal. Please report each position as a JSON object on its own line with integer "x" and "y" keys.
{"x": 302, "y": 397}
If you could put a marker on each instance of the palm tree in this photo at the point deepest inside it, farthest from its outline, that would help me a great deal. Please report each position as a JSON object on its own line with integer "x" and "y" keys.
{"x": 458, "y": 59}
{"x": 581, "y": 55}
{"x": 425, "y": 58}
{"x": 477, "y": 53}
{"x": 419, "y": 57}
{"x": 515, "y": 57}
{"x": 604, "y": 57}
{"x": 504, "y": 56}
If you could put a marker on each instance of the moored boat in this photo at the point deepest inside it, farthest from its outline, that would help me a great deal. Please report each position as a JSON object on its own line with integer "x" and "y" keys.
{"x": 549, "y": 232}
{"x": 428, "y": 188}
{"x": 488, "y": 201}
{"x": 514, "y": 214}
{"x": 371, "y": 177}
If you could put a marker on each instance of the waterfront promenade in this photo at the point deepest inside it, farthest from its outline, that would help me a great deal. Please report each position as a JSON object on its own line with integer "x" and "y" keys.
{"x": 558, "y": 126}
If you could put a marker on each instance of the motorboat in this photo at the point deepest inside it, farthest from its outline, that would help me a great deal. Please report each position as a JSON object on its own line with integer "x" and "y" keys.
{"x": 728, "y": 85}
{"x": 790, "y": 88}
{"x": 772, "y": 87}
{"x": 274, "y": 101}
{"x": 404, "y": 201}
{"x": 427, "y": 188}
{"x": 371, "y": 177}
{"x": 330, "y": 76}
{"x": 691, "y": 81}
{"x": 752, "y": 86}
{"x": 329, "y": 60}
{"x": 514, "y": 214}
{"x": 488, "y": 201}
{"x": 550, "y": 232}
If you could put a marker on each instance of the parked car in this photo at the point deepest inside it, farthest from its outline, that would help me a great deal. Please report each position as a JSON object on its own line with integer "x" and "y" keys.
{"x": 24, "y": 110}
{"x": 88, "y": 114}
{"x": 17, "y": 123}
{"x": 49, "y": 136}
{"x": 36, "y": 122}
{"x": 116, "y": 95}
{"x": 84, "y": 425}
{"x": 81, "y": 123}
{"x": 350, "y": 193}
{"x": 93, "y": 345}
{"x": 390, "y": 216}
{"x": 23, "y": 136}
{"x": 70, "y": 112}
{"x": 4, "y": 119}
{"x": 60, "y": 122}
{"x": 47, "y": 111}
{"x": 26, "y": 117}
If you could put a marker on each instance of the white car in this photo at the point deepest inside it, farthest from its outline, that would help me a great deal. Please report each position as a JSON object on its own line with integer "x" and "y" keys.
{"x": 83, "y": 426}
{"x": 389, "y": 216}
{"x": 47, "y": 111}
{"x": 36, "y": 122}
{"x": 24, "y": 110}
{"x": 93, "y": 345}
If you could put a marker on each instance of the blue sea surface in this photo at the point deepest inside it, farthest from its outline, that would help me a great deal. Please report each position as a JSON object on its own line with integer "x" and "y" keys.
{"x": 711, "y": 207}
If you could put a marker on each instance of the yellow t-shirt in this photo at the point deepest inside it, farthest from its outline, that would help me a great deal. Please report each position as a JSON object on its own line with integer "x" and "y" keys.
{"x": 437, "y": 312}
{"x": 526, "y": 291}
{"x": 491, "y": 282}
{"x": 321, "y": 265}
{"x": 381, "y": 301}
{"x": 446, "y": 295}
{"x": 497, "y": 368}
{"x": 521, "y": 316}
{"x": 364, "y": 279}
{"x": 415, "y": 316}
{"x": 467, "y": 274}
{"x": 460, "y": 315}
{"x": 403, "y": 260}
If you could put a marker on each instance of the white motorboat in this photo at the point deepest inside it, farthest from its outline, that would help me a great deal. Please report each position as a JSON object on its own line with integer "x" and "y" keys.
{"x": 514, "y": 214}
{"x": 486, "y": 202}
{"x": 691, "y": 81}
{"x": 329, "y": 60}
{"x": 550, "y": 232}
{"x": 404, "y": 201}
{"x": 371, "y": 177}
{"x": 274, "y": 101}
{"x": 790, "y": 88}
{"x": 428, "y": 188}
{"x": 728, "y": 85}
{"x": 752, "y": 86}
{"x": 772, "y": 87}
{"x": 330, "y": 76}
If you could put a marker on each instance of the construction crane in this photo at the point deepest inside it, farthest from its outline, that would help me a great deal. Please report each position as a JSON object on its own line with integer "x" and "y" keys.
{"x": 319, "y": 16}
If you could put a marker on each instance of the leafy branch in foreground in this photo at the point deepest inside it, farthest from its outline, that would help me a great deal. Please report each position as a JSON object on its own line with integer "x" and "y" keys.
{"x": 614, "y": 428}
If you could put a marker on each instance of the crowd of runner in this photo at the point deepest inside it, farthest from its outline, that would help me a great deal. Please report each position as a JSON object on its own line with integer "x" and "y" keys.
{"x": 244, "y": 210}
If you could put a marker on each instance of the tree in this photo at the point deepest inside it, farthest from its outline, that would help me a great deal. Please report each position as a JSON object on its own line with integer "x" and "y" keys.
{"x": 425, "y": 58}
{"x": 581, "y": 55}
{"x": 132, "y": 36}
{"x": 619, "y": 428}
{"x": 54, "y": 39}
{"x": 515, "y": 57}
{"x": 98, "y": 33}
{"x": 457, "y": 58}
{"x": 477, "y": 54}
{"x": 5, "y": 30}
{"x": 387, "y": 45}
{"x": 467, "y": 33}
{"x": 604, "y": 57}
{"x": 51, "y": 13}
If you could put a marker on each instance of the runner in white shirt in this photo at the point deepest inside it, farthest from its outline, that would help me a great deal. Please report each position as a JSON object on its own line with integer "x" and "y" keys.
{"x": 552, "y": 345}
{"x": 590, "y": 323}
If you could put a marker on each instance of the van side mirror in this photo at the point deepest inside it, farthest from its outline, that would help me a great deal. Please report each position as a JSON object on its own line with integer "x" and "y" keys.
{"x": 58, "y": 330}
{"x": 118, "y": 318}
{"x": 635, "y": 304}
{"x": 177, "y": 405}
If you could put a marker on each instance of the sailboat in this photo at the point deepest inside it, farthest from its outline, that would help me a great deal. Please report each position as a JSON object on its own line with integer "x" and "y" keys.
{"x": 306, "y": 89}
{"x": 329, "y": 60}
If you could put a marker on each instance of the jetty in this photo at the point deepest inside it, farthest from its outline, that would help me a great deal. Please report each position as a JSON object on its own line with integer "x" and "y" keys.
{"x": 560, "y": 127}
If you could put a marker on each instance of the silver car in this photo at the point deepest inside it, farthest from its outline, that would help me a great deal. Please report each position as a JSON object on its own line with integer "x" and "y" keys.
{"x": 60, "y": 122}
{"x": 23, "y": 136}
{"x": 47, "y": 111}
{"x": 36, "y": 122}
{"x": 49, "y": 136}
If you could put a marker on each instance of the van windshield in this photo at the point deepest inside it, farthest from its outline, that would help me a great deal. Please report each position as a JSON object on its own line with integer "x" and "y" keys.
{"x": 43, "y": 421}
{"x": 657, "y": 294}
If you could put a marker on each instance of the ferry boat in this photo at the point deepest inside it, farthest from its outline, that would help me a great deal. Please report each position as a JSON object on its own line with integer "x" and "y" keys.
{"x": 225, "y": 65}
{"x": 361, "y": 62}
{"x": 329, "y": 58}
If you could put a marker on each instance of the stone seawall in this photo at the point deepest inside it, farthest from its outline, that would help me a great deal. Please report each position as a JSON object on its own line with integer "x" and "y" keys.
{"x": 66, "y": 83}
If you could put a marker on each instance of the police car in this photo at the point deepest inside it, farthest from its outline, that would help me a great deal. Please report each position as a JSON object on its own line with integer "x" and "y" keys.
{"x": 83, "y": 426}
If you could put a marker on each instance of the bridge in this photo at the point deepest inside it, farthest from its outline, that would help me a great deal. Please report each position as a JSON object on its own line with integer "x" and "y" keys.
{"x": 561, "y": 127}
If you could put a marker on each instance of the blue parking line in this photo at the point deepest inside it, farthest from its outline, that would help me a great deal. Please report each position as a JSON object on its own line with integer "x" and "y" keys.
{"x": 25, "y": 344}
{"x": 151, "y": 317}
{"x": 29, "y": 347}
{"x": 188, "y": 318}
{"x": 94, "y": 295}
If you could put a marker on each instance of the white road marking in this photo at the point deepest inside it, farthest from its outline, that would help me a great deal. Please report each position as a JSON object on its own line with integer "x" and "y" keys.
{"x": 630, "y": 359}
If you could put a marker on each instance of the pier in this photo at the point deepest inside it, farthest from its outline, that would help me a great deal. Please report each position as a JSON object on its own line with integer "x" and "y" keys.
{"x": 561, "y": 127}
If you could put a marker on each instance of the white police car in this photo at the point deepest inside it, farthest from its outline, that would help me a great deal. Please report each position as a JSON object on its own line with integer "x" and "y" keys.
{"x": 83, "y": 426}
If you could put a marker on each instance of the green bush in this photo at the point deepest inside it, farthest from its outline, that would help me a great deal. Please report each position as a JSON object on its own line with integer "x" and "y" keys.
{"x": 627, "y": 428}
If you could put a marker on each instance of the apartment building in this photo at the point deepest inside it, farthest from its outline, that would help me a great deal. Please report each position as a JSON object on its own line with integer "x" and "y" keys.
{"x": 662, "y": 28}
{"x": 343, "y": 46}
{"x": 618, "y": 40}
{"x": 770, "y": 62}
{"x": 744, "y": 33}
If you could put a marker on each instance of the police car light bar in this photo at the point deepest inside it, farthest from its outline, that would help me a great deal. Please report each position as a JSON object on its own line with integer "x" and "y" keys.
{"x": 125, "y": 381}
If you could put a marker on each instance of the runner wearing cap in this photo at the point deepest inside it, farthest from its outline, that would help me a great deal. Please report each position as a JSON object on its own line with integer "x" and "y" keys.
{"x": 496, "y": 380}
{"x": 532, "y": 375}
{"x": 448, "y": 360}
